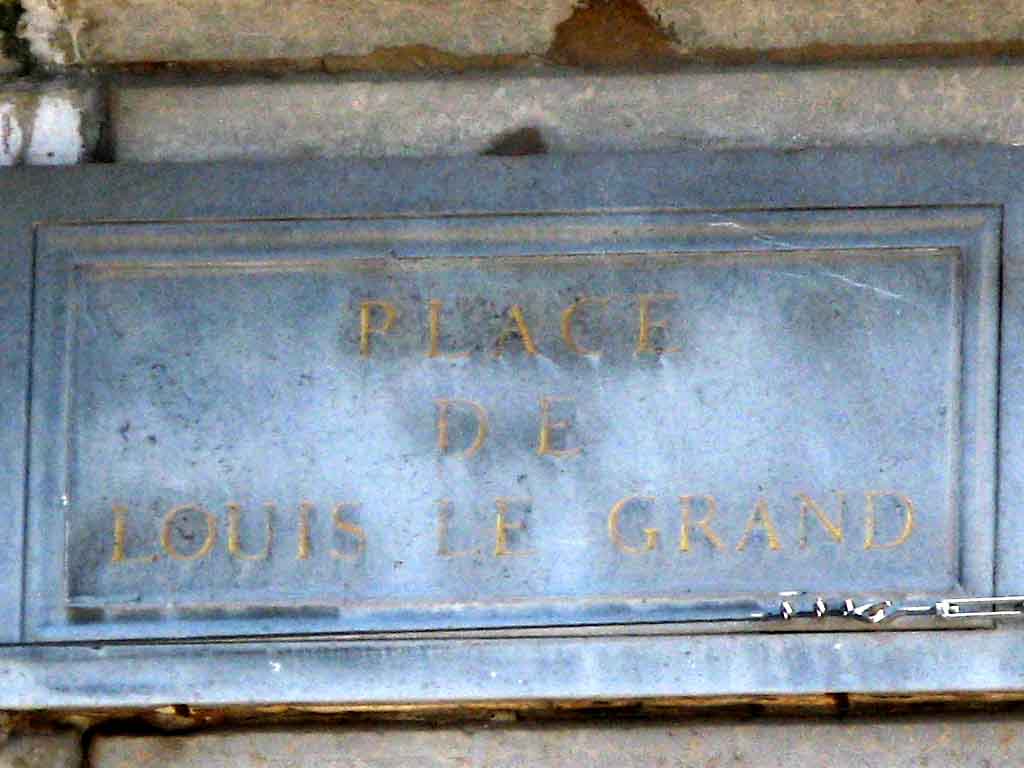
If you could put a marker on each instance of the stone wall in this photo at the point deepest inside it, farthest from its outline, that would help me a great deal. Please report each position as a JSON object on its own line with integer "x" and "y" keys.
{"x": 508, "y": 53}
{"x": 195, "y": 80}
{"x": 966, "y": 743}
{"x": 390, "y": 34}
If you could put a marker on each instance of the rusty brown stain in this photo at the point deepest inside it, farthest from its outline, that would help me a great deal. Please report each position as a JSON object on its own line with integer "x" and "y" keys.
{"x": 613, "y": 33}
{"x": 422, "y": 59}
{"x": 267, "y": 67}
{"x": 403, "y": 59}
{"x": 837, "y": 53}
{"x": 189, "y": 719}
{"x": 588, "y": 45}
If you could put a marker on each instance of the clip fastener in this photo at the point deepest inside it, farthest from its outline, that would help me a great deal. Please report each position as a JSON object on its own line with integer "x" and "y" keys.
{"x": 980, "y": 607}
{"x": 884, "y": 611}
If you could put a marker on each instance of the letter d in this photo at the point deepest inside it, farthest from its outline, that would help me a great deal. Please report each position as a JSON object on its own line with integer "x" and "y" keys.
{"x": 444, "y": 409}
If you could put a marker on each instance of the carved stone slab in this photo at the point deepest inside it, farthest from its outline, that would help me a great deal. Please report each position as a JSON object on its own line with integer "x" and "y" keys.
{"x": 498, "y": 399}
{"x": 398, "y": 424}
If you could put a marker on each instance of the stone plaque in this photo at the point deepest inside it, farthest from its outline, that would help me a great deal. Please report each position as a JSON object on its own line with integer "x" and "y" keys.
{"x": 499, "y": 422}
{"x": 481, "y": 429}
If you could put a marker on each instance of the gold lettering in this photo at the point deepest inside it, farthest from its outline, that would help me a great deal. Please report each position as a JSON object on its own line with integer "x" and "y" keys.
{"x": 515, "y": 327}
{"x": 121, "y": 537}
{"x": 445, "y": 509}
{"x": 353, "y": 530}
{"x": 444, "y": 407}
{"x": 434, "y": 307}
{"x": 807, "y": 504}
{"x": 650, "y": 534}
{"x": 704, "y": 524}
{"x": 760, "y": 518}
{"x": 366, "y": 326}
{"x": 544, "y": 447}
{"x": 644, "y": 344}
{"x": 568, "y": 315}
{"x": 235, "y": 534}
{"x": 305, "y": 543}
{"x": 502, "y": 527}
{"x": 167, "y": 533}
{"x": 870, "y": 521}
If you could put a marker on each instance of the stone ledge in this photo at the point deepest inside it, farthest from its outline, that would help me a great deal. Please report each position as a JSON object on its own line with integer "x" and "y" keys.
{"x": 783, "y": 108}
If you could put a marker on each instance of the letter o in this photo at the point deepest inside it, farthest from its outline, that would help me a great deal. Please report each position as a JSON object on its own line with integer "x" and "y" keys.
{"x": 167, "y": 541}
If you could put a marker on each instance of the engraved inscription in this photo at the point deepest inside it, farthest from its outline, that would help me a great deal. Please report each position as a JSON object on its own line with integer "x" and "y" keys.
{"x": 508, "y": 441}
{"x": 758, "y": 525}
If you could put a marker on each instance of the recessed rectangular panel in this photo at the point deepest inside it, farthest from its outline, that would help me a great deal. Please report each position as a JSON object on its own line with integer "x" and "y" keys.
{"x": 300, "y": 427}
{"x": 504, "y": 429}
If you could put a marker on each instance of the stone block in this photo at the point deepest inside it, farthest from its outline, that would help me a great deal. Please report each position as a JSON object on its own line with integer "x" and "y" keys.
{"x": 191, "y": 30}
{"x": 56, "y": 123}
{"x": 791, "y": 108}
{"x": 965, "y": 743}
{"x": 765, "y": 25}
{"x": 41, "y": 750}
{"x": 609, "y": 32}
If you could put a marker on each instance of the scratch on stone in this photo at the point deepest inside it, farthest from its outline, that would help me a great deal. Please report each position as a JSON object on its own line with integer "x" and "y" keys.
{"x": 729, "y": 224}
{"x": 760, "y": 237}
{"x": 866, "y": 286}
{"x": 855, "y": 283}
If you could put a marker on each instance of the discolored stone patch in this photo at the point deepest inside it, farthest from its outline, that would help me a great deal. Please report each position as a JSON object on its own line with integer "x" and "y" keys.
{"x": 613, "y": 33}
{"x": 518, "y": 143}
{"x": 41, "y": 750}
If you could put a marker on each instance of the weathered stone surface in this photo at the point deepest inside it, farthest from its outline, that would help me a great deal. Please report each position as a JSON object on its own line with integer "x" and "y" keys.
{"x": 41, "y": 750}
{"x": 965, "y": 743}
{"x": 51, "y": 32}
{"x": 55, "y": 124}
{"x": 791, "y": 108}
{"x": 98, "y": 31}
{"x": 772, "y": 24}
{"x": 144, "y": 30}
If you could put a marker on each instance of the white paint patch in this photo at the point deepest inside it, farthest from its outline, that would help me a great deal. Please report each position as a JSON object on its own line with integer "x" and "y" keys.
{"x": 56, "y": 133}
{"x": 10, "y": 135}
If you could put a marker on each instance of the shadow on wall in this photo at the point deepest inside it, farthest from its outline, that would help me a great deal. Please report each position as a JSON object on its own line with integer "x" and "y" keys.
{"x": 518, "y": 143}
{"x": 13, "y": 48}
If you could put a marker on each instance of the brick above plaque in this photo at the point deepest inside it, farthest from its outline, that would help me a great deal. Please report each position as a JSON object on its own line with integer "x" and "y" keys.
{"x": 323, "y": 426}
